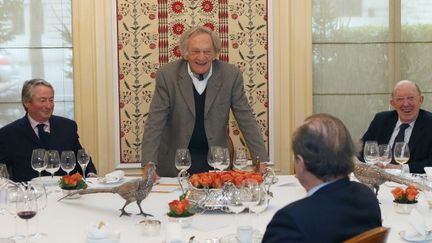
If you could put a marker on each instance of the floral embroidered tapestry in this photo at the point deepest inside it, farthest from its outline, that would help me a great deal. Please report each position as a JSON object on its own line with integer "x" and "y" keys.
{"x": 148, "y": 36}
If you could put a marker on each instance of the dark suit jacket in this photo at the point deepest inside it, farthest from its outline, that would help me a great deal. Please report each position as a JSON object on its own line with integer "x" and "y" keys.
{"x": 334, "y": 213}
{"x": 420, "y": 142}
{"x": 171, "y": 118}
{"x": 18, "y": 139}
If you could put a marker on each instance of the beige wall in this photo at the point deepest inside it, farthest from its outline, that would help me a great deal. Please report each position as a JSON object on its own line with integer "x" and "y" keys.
{"x": 95, "y": 78}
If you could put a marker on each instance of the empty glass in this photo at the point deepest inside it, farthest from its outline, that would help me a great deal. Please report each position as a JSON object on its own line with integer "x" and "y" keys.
{"x": 68, "y": 161}
{"x": 53, "y": 162}
{"x": 38, "y": 161}
{"x": 240, "y": 159}
{"x": 183, "y": 159}
{"x": 11, "y": 206}
{"x": 41, "y": 199}
{"x": 370, "y": 152}
{"x": 385, "y": 154}
{"x": 3, "y": 171}
{"x": 211, "y": 154}
{"x": 83, "y": 159}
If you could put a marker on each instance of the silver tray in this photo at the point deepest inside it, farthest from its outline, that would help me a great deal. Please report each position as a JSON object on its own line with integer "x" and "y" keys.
{"x": 205, "y": 199}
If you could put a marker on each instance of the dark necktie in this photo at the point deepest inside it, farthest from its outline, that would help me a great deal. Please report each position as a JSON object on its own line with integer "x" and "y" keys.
{"x": 201, "y": 77}
{"x": 43, "y": 136}
{"x": 400, "y": 137}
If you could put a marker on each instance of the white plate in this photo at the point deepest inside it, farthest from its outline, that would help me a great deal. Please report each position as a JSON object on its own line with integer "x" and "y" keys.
{"x": 103, "y": 180}
{"x": 392, "y": 184}
{"x": 47, "y": 180}
{"x": 416, "y": 238}
{"x": 393, "y": 171}
{"x": 232, "y": 238}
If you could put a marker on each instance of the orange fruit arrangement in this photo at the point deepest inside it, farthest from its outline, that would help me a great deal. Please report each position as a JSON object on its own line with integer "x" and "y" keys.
{"x": 218, "y": 179}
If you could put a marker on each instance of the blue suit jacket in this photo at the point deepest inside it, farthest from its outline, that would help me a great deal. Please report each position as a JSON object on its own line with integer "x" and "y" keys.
{"x": 420, "y": 142}
{"x": 18, "y": 139}
{"x": 334, "y": 213}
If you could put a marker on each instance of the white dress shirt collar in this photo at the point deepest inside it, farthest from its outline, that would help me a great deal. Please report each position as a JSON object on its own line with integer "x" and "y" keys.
{"x": 200, "y": 86}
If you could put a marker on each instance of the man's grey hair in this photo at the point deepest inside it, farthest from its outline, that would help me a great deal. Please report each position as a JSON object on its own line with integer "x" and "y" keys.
{"x": 184, "y": 39}
{"x": 27, "y": 89}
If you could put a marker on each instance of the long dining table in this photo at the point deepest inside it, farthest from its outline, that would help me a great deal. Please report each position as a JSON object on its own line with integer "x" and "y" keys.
{"x": 70, "y": 220}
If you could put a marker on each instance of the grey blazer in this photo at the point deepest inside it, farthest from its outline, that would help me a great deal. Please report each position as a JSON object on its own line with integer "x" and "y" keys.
{"x": 171, "y": 117}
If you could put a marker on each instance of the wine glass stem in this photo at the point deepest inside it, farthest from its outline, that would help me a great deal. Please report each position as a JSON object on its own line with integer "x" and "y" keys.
{"x": 27, "y": 233}
{"x": 39, "y": 173}
{"x": 84, "y": 171}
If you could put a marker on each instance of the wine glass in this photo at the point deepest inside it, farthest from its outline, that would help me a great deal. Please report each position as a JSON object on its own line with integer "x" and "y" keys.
{"x": 67, "y": 162}
{"x": 225, "y": 160}
{"x": 83, "y": 159}
{"x": 26, "y": 207}
{"x": 234, "y": 201}
{"x": 218, "y": 156}
{"x": 401, "y": 154}
{"x": 260, "y": 207}
{"x": 250, "y": 193}
{"x": 182, "y": 159}
{"x": 11, "y": 201}
{"x": 210, "y": 156}
{"x": 370, "y": 152}
{"x": 38, "y": 161}
{"x": 40, "y": 193}
{"x": 53, "y": 162}
{"x": 240, "y": 161}
{"x": 385, "y": 154}
{"x": 4, "y": 171}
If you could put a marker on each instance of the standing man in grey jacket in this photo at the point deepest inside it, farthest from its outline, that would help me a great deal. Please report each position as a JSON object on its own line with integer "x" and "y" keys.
{"x": 191, "y": 104}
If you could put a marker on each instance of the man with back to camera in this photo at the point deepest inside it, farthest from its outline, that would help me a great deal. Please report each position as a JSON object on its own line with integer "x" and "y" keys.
{"x": 19, "y": 138}
{"x": 335, "y": 208}
{"x": 413, "y": 124}
{"x": 191, "y": 104}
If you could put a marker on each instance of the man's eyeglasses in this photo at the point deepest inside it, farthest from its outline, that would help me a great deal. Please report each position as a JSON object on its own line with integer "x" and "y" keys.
{"x": 402, "y": 99}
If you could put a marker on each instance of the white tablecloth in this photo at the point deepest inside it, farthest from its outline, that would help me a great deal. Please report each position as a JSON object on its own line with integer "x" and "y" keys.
{"x": 66, "y": 221}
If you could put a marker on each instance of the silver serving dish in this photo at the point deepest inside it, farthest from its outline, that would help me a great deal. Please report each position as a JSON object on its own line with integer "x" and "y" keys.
{"x": 210, "y": 199}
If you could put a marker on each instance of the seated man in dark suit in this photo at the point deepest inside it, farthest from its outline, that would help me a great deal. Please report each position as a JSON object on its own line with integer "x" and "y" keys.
{"x": 335, "y": 208}
{"x": 416, "y": 126}
{"x": 19, "y": 138}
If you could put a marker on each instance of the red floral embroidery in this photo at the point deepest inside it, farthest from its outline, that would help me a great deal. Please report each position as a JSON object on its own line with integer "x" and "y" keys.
{"x": 236, "y": 132}
{"x": 177, "y": 7}
{"x": 234, "y": 16}
{"x": 121, "y": 76}
{"x": 152, "y": 45}
{"x": 207, "y": 6}
{"x": 119, "y": 17}
{"x": 153, "y": 75}
{"x": 120, "y": 46}
{"x": 152, "y": 16}
{"x": 210, "y": 26}
{"x": 235, "y": 45}
{"x": 176, "y": 51}
{"x": 178, "y": 28}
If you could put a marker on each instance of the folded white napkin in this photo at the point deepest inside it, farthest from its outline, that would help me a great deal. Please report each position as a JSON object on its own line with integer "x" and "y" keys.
{"x": 428, "y": 171}
{"x": 114, "y": 176}
{"x": 419, "y": 230}
{"x": 101, "y": 233}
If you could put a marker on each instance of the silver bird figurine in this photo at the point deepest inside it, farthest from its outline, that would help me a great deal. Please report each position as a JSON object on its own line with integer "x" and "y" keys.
{"x": 373, "y": 176}
{"x": 132, "y": 191}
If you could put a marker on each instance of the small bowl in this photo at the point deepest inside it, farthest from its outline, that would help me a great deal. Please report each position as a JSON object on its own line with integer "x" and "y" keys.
{"x": 404, "y": 208}
{"x": 150, "y": 227}
{"x": 185, "y": 222}
{"x": 67, "y": 192}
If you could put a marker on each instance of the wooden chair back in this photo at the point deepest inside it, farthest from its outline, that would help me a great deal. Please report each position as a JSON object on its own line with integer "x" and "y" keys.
{"x": 375, "y": 235}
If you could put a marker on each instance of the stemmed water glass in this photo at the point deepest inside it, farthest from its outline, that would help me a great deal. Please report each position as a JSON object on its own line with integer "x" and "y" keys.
{"x": 370, "y": 152}
{"x": 260, "y": 207}
{"x": 38, "y": 161}
{"x": 68, "y": 161}
{"x": 26, "y": 206}
{"x": 240, "y": 159}
{"x": 83, "y": 159}
{"x": 222, "y": 161}
{"x": 385, "y": 154}
{"x": 11, "y": 206}
{"x": 234, "y": 201}
{"x": 53, "y": 162}
{"x": 40, "y": 193}
{"x": 250, "y": 193}
{"x": 183, "y": 159}
{"x": 210, "y": 155}
{"x": 401, "y": 154}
